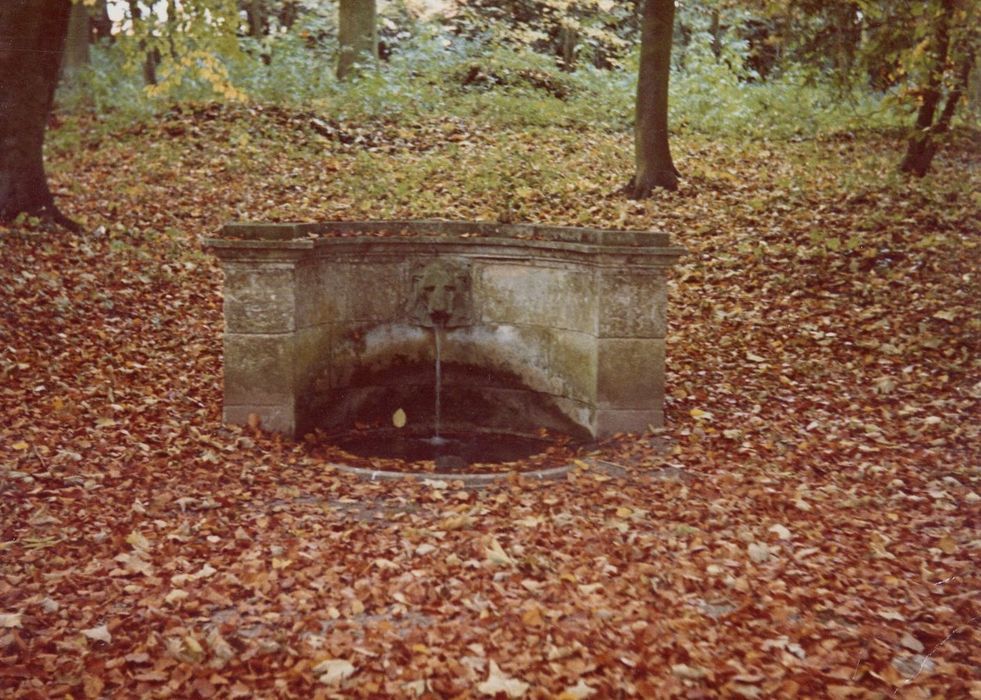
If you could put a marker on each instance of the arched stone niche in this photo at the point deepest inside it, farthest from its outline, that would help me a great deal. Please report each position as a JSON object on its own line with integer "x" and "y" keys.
{"x": 333, "y": 325}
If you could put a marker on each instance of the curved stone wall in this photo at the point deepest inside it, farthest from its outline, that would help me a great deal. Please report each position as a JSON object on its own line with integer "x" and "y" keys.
{"x": 333, "y": 324}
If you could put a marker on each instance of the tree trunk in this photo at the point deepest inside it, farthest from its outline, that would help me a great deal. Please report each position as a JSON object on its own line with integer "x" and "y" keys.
{"x": 101, "y": 23}
{"x": 568, "y": 37}
{"x": 715, "y": 29}
{"x": 32, "y": 36}
{"x": 153, "y": 55}
{"x": 288, "y": 14}
{"x": 356, "y": 35}
{"x": 256, "y": 14}
{"x": 653, "y": 155}
{"x": 77, "y": 41}
{"x": 921, "y": 147}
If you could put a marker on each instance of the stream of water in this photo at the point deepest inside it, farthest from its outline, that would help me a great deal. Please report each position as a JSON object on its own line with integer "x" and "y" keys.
{"x": 438, "y": 408}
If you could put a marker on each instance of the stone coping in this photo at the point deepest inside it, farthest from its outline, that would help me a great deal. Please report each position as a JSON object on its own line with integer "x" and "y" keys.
{"x": 314, "y": 234}
{"x": 480, "y": 479}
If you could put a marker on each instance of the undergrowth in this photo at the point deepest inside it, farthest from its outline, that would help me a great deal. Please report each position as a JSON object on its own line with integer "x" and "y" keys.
{"x": 435, "y": 74}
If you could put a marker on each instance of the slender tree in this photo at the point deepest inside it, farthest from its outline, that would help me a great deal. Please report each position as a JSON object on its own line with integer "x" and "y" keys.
{"x": 953, "y": 38}
{"x": 76, "y": 52}
{"x": 357, "y": 35}
{"x": 652, "y": 152}
{"x": 32, "y": 36}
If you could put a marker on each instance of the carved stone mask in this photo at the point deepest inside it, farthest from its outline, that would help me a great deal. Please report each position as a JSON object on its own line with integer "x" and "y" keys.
{"x": 441, "y": 294}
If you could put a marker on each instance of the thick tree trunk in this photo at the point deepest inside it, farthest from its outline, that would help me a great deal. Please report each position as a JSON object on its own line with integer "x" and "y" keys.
{"x": 32, "y": 36}
{"x": 921, "y": 147}
{"x": 77, "y": 40}
{"x": 356, "y": 35}
{"x": 653, "y": 154}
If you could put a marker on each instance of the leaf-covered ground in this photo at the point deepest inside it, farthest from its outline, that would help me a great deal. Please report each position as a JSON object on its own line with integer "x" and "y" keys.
{"x": 817, "y": 537}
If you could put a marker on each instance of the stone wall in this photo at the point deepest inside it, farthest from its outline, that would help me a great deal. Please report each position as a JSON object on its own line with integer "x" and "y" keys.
{"x": 562, "y": 328}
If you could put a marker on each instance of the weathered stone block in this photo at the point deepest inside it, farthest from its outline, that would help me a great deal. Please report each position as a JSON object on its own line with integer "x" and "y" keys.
{"x": 259, "y": 369}
{"x": 572, "y": 364}
{"x": 310, "y": 307}
{"x": 633, "y": 304}
{"x": 311, "y": 358}
{"x": 537, "y": 295}
{"x": 630, "y": 373}
{"x": 366, "y": 348}
{"x": 364, "y": 292}
{"x": 259, "y": 298}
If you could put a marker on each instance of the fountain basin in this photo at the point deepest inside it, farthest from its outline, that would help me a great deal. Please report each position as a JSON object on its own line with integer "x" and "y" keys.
{"x": 331, "y": 326}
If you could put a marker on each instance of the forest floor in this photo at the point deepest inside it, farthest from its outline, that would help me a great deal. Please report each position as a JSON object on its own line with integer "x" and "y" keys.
{"x": 820, "y": 537}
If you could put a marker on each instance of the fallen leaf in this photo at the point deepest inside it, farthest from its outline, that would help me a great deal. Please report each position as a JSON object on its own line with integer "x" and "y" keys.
{"x": 780, "y": 531}
{"x": 175, "y": 596}
{"x": 399, "y": 418}
{"x": 495, "y": 553}
{"x": 758, "y": 552}
{"x": 8, "y": 620}
{"x": 333, "y": 671}
{"x": 498, "y": 682}
{"x": 92, "y": 685}
{"x": 99, "y": 634}
{"x": 579, "y": 691}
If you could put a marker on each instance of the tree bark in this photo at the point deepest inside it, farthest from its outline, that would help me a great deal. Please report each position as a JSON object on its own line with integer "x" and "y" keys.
{"x": 921, "y": 147}
{"x": 153, "y": 55}
{"x": 568, "y": 38}
{"x": 77, "y": 40}
{"x": 356, "y": 35}
{"x": 101, "y": 23}
{"x": 255, "y": 12}
{"x": 655, "y": 167}
{"x": 32, "y": 37}
{"x": 288, "y": 14}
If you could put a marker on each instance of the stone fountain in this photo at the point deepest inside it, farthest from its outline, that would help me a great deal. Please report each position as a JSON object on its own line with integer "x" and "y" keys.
{"x": 338, "y": 324}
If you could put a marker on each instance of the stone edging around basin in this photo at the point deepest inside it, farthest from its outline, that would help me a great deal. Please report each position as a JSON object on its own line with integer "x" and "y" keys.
{"x": 608, "y": 469}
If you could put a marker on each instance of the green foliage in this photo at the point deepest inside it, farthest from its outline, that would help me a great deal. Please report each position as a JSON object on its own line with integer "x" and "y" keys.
{"x": 435, "y": 68}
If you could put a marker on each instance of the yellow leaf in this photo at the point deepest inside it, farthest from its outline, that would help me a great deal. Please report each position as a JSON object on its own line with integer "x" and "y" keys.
{"x": 398, "y": 418}
{"x": 947, "y": 544}
{"x": 533, "y": 617}
{"x": 20, "y": 446}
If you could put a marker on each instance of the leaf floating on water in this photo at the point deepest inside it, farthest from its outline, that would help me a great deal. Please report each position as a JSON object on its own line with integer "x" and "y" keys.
{"x": 399, "y": 418}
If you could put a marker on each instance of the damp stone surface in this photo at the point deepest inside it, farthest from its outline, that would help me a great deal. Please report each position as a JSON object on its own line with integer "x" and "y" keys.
{"x": 334, "y": 325}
